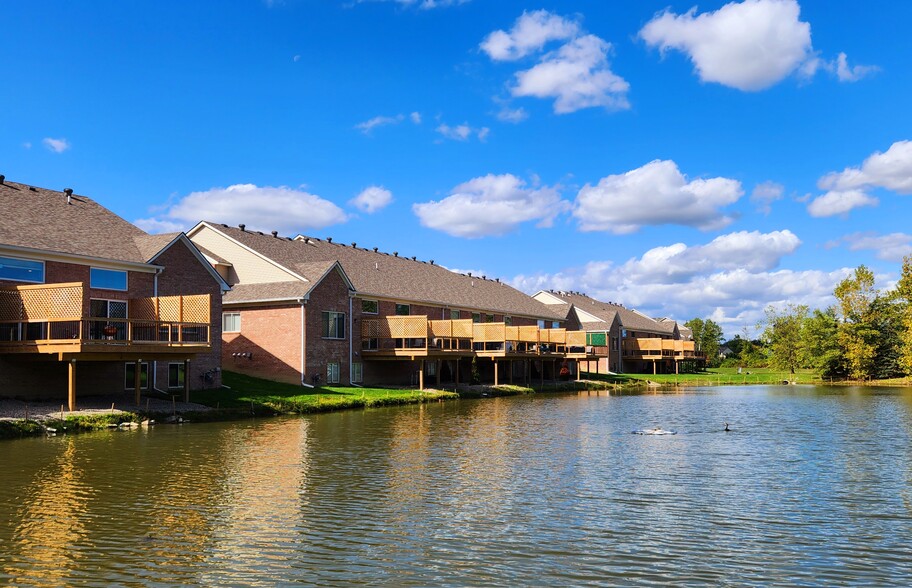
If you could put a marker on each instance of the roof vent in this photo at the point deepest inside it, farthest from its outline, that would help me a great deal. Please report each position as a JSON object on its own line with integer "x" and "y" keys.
{"x": 33, "y": 189}
{"x": 354, "y": 244}
{"x": 396, "y": 253}
{"x": 242, "y": 226}
{"x": 484, "y": 277}
{"x": 306, "y": 240}
{"x": 376, "y": 265}
{"x": 432, "y": 262}
{"x": 2, "y": 178}
{"x": 375, "y": 249}
{"x": 414, "y": 258}
{"x": 275, "y": 234}
{"x": 497, "y": 280}
{"x": 329, "y": 239}
{"x": 469, "y": 274}
{"x": 69, "y": 195}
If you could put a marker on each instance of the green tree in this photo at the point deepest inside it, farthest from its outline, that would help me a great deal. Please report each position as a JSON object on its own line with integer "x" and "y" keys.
{"x": 904, "y": 294}
{"x": 820, "y": 343}
{"x": 782, "y": 335}
{"x": 858, "y": 336}
{"x": 707, "y": 336}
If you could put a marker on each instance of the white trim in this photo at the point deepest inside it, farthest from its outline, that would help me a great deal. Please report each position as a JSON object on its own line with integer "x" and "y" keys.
{"x": 47, "y": 255}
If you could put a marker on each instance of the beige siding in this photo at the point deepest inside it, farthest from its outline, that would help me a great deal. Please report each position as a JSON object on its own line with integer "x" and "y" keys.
{"x": 248, "y": 268}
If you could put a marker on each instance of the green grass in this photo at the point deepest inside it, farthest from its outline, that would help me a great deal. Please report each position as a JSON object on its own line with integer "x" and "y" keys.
{"x": 256, "y": 395}
{"x": 718, "y": 377}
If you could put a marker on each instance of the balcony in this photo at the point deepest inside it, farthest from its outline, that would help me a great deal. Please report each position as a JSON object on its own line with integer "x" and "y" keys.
{"x": 654, "y": 349}
{"x": 416, "y": 336}
{"x": 53, "y": 319}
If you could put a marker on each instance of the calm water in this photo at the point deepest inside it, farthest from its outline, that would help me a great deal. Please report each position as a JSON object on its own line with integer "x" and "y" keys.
{"x": 813, "y": 487}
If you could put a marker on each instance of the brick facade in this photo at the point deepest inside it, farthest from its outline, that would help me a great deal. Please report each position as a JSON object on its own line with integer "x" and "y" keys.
{"x": 268, "y": 345}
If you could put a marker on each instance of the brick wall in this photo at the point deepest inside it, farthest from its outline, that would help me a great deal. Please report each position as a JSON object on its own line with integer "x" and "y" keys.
{"x": 184, "y": 274}
{"x": 331, "y": 294}
{"x": 272, "y": 337}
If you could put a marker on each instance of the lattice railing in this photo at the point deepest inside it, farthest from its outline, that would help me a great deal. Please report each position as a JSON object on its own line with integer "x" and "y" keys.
{"x": 41, "y": 302}
{"x": 576, "y": 338}
{"x": 556, "y": 336}
{"x": 489, "y": 332}
{"x": 193, "y": 308}
{"x": 451, "y": 329}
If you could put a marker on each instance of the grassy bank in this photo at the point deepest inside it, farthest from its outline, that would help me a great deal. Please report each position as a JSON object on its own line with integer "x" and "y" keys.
{"x": 717, "y": 377}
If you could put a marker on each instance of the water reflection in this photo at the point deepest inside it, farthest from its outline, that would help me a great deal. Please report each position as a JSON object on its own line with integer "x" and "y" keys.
{"x": 812, "y": 486}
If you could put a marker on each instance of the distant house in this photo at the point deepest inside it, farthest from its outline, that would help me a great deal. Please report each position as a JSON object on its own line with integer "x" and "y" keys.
{"x": 91, "y": 304}
{"x": 313, "y": 311}
{"x": 636, "y": 343}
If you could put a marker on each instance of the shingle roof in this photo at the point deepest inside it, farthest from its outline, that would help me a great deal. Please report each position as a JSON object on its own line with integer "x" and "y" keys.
{"x": 387, "y": 276}
{"x": 42, "y": 219}
{"x": 150, "y": 245}
{"x": 294, "y": 290}
{"x": 630, "y": 319}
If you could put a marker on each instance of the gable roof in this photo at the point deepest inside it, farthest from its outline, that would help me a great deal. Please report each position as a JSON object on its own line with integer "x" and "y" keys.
{"x": 381, "y": 275}
{"x": 606, "y": 311}
{"x": 45, "y": 221}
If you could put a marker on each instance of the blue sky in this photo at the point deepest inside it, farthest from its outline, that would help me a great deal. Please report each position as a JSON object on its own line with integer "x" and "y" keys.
{"x": 686, "y": 161}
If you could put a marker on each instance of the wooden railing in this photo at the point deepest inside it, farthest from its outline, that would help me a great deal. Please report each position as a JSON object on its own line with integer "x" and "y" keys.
{"x": 656, "y": 348}
{"x": 411, "y": 335}
{"x": 55, "y": 314}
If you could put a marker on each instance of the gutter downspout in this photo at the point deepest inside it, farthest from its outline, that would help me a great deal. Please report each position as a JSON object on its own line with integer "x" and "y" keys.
{"x": 303, "y": 375}
{"x": 155, "y": 361}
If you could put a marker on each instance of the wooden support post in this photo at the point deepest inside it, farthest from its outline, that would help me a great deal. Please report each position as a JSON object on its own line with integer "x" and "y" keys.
{"x": 421, "y": 374}
{"x": 653, "y": 367}
{"x": 136, "y": 380}
{"x": 71, "y": 396}
{"x": 676, "y": 367}
{"x": 495, "y": 373}
{"x": 577, "y": 365}
{"x": 186, "y": 380}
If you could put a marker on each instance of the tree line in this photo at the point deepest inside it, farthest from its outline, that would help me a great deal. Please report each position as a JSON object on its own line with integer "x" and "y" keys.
{"x": 866, "y": 335}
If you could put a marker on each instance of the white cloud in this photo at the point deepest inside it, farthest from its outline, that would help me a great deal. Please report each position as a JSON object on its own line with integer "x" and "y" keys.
{"x": 529, "y": 34}
{"x": 296, "y": 58}
{"x": 491, "y": 205}
{"x": 764, "y": 194}
{"x": 837, "y": 202}
{"x": 735, "y": 297}
{"x": 27, "y": 145}
{"x": 372, "y": 199}
{"x": 263, "y": 208}
{"x": 462, "y": 132}
{"x": 892, "y": 247}
{"x": 422, "y": 4}
{"x": 415, "y": 118}
{"x": 750, "y": 45}
{"x": 378, "y": 121}
{"x": 751, "y": 251}
{"x": 891, "y": 170}
{"x": 577, "y": 76}
{"x": 512, "y": 115}
{"x": 655, "y": 194}
{"x": 156, "y": 226}
{"x": 55, "y": 145}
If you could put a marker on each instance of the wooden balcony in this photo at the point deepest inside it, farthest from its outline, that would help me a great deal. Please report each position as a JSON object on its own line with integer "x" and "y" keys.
{"x": 417, "y": 337}
{"x": 51, "y": 319}
{"x": 654, "y": 349}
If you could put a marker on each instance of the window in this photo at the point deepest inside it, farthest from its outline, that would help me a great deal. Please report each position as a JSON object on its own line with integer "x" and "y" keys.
{"x": 369, "y": 306}
{"x": 431, "y": 368}
{"x": 176, "y": 375}
{"x": 21, "y": 270}
{"x": 541, "y": 324}
{"x": 476, "y": 317}
{"x": 555, "y": 324}
{"x": 333, "y": 325}
{"x": 357, "y": 375}
{"x": 508, "y": 320}
{"x": 231, "y": 322}
{"x": 370, "y": 344}
{"x": 130, "y": 376}
{"x": 454, "y": 315}
{"x": 403, "y": 309}
{"x": 107, "y": 279}
{"x": 332, "y": 373}
{"x": 114, "y": 327}
{"x": 489, "y": 318}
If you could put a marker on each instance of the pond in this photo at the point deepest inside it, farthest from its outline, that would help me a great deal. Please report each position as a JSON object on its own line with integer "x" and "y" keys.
{"x": 812, "y": 486}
